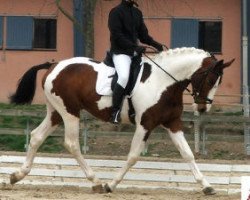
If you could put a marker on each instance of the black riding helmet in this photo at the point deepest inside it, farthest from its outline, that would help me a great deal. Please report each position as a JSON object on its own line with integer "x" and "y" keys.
{"x": 130, "y": 2}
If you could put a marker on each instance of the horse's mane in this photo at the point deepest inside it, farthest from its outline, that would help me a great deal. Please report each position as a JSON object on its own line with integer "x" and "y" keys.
{"x": 180, "y": 51}
{"x": 185, "y": 50}
{"x": 178, "y": 59}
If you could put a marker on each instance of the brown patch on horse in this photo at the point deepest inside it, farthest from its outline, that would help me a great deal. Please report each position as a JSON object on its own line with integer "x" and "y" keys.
{"x": 208, "y": 62}
{"x": 76, "y": 86}
{"x": 56, "y": 118}
{"x": 203, "y": 80}
{"x": 146, "y": 72}
{"x": 167, "y": 111}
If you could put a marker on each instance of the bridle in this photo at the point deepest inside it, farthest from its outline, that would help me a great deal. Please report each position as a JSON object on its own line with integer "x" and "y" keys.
{"x": 196, "y": 91}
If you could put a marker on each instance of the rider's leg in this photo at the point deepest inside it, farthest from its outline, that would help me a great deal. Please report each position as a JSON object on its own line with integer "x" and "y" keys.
{"x": 122, "y": 65}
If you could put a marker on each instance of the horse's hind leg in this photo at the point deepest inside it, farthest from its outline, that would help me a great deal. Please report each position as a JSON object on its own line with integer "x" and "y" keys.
{"x": 38, "y": 135}
{"x": 185, "y": 151}
{"x": 137, "y": 146}
{"x": 73, "y": 146}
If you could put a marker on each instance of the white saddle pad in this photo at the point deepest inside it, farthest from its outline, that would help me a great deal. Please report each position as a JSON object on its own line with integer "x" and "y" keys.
{"x": 104, "y": 78}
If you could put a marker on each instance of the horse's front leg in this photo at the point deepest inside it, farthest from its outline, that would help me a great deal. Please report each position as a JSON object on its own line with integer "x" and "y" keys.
{"x": 137, "y": 147}
{"x": 181, "y": 143}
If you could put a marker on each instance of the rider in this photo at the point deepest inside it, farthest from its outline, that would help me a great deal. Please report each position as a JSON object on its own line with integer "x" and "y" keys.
{"x": 126, "y": 27}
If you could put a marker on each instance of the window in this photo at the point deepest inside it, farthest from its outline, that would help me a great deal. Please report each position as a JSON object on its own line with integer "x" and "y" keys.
{"x": 44, "y": 34}
{"x": 27, "y": 33}
{"x": 19, "y": 33}
{"x": 205, "y": 35}
{"x": 184, "y": 33}
{"x": 210, "y": 36}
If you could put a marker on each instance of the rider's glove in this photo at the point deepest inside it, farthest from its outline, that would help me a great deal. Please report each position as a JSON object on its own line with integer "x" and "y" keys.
{"x": 140, "y": 50}
{"x": 157, "y": 45}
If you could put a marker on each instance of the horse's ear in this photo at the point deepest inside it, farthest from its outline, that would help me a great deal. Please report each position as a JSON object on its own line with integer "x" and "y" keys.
{"x": 219, "y": 63}
{"x": 228, "y": 63}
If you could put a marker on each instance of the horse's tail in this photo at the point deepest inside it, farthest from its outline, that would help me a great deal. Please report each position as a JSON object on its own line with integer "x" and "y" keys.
{"x": 27, "y": 85}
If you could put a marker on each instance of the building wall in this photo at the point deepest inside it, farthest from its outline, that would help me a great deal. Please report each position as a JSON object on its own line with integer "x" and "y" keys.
{"x": 14, "y": 63}
{"x": 158, "y": 15}
{"x": 248, "y": 33}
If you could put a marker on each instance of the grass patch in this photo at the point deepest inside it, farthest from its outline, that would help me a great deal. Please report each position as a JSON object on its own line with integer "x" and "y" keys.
{"x": 19, "y": 121}
{"x": 17, "y": 143}
{"x": 8, "y": 121}
{"x": 22, "y": 107}
{"x": 12, "y": 142}
{"x": 52, "y": 145}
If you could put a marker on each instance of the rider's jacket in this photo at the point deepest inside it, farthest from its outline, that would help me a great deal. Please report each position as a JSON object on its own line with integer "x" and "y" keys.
{"x": 126, "y": 26}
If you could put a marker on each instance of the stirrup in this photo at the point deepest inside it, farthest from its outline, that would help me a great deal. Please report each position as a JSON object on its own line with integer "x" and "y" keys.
{"x": 115, "y": 118}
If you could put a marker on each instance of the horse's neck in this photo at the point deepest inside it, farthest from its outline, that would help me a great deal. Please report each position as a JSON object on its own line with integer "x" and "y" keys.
{"x": 181, "y": 63}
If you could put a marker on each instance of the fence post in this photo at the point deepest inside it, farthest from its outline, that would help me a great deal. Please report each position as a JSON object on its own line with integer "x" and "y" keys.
{"x": 247, "y": 139}
{"x": 27, "y": 132}
{"x": 85, "y": 147}
{"x": 145, "y": 150}
{"x": 246, "y": 114}
{"x": 204, "y": 138}
{"x": 196, "y": 133}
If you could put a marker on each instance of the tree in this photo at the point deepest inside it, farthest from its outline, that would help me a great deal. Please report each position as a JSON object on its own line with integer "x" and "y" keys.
{"x": 87, "y": 28}
{"x": 89, "y": 11}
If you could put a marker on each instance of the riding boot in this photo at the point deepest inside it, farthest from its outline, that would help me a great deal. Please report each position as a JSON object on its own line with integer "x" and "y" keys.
{"x": 118, "y": 96}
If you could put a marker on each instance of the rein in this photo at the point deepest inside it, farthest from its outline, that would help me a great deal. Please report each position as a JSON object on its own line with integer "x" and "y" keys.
{"x": 189, "y": 91}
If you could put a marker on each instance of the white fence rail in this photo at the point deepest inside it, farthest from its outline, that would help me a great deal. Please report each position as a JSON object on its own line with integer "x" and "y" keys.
{"x": 145, "y": 174}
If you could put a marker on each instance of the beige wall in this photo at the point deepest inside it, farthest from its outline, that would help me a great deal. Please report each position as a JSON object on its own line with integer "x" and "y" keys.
{"x": 228, "y": 10}
{"x": 14, "y": 63}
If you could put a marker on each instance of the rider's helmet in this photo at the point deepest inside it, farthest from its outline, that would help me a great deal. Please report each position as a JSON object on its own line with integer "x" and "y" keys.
{"x": 131, "y": 2}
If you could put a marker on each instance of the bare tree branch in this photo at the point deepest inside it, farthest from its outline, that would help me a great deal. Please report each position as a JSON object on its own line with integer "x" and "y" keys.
{"x": 71, "y": 18}
{"x": 87, "y": 28}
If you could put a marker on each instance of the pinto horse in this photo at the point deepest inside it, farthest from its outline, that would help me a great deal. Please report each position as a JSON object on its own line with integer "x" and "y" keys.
{"x": 69, "y": 87}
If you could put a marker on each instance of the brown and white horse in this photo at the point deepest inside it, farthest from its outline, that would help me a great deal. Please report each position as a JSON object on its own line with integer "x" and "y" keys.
{"x": 69, "y": 87}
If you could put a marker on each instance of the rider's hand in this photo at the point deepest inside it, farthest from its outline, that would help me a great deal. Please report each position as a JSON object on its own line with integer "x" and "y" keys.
{"x": 140, "y": 50}
{"x": 159, "y": 48}
{"x": 157, "y": 45}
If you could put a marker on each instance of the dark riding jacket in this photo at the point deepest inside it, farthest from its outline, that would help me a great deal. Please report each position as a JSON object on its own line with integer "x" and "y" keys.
{"x": 126, "y": 26}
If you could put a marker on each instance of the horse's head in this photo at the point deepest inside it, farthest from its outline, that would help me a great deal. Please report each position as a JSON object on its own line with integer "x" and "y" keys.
{"x": 205, "y": 82}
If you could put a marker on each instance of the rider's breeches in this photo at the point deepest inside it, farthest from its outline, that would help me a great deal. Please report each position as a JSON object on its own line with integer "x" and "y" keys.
{"x": 122, "y": 65}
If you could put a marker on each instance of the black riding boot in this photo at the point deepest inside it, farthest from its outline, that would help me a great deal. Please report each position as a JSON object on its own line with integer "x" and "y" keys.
{"x": 118, "y": 95}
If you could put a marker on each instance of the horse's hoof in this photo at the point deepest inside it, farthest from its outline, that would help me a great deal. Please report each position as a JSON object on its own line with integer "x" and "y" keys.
{"x": 13, "y": 179}
{"x": 209, "y": 191}
{"x": 107, "y": 188}
{"x": 98, "y": 189}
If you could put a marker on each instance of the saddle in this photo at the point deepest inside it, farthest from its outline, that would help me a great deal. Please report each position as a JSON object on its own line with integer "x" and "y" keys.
{"x": 134, "y": 72}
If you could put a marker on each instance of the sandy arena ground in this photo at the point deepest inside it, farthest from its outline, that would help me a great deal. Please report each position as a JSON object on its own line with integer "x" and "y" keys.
{"x": 27, "y": 192}
{"x": 59, "y": 193}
